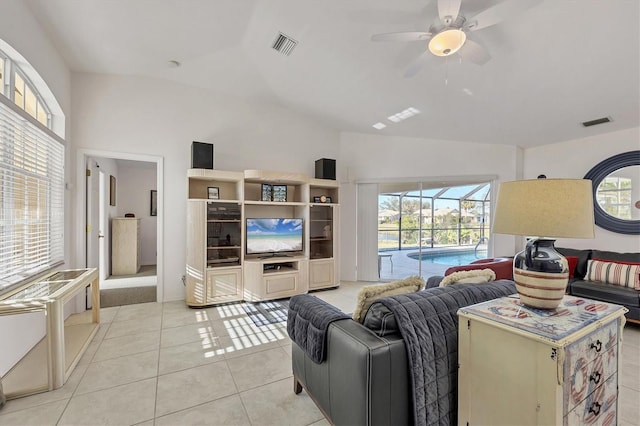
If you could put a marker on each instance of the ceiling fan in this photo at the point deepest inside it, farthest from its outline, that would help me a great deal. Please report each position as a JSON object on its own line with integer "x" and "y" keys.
{"x": 449, "y": 34}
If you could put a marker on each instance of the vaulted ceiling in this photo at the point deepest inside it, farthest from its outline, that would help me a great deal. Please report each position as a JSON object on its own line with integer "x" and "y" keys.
{"x": 552, "y": 67}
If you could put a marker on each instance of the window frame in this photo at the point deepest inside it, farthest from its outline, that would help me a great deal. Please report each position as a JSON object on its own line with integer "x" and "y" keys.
{"x": 54, "y": 191}
{"x": 15, "y": 70}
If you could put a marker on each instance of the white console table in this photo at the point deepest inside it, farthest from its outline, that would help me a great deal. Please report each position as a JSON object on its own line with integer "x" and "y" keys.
{"x": 50, "y": 362}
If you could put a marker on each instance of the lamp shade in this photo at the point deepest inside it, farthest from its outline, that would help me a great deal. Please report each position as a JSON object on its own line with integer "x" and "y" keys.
{"x": 545, "y": 208}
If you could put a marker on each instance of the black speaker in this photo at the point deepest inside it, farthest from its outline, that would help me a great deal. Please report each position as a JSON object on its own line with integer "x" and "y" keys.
{"x": 326, "y": 169}
{"x": 201, "y": 155}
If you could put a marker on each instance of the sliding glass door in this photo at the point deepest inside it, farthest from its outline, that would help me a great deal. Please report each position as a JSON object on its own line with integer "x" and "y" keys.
{"x": 418, "y": 220}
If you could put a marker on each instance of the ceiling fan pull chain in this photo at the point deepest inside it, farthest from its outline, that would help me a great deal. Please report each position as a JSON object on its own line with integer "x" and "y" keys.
{"x": 446, "y": 71}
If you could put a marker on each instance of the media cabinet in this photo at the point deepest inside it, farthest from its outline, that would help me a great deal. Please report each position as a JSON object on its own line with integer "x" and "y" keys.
{"x": 218, "y": 270}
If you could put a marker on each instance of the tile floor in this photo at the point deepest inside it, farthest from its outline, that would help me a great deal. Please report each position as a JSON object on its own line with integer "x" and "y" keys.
{"x": 166, "y": 364}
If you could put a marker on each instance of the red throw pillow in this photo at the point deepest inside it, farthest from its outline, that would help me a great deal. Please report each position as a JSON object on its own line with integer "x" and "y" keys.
{"x": 573, "y": 263}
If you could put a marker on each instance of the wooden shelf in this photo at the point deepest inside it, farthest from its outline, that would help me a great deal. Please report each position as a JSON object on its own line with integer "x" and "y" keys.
{"x": 275, "y": 203}
{"x": 275, "y": 177}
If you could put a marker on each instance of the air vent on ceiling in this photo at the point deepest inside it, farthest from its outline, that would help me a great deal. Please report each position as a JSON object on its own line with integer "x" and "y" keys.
{"x": 284, "y": 44}
{"x": 596, "y": 121}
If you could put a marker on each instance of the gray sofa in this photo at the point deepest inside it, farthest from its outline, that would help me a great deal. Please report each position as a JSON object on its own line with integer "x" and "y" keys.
{"x": 578, "y": 286}
{"x": 369, "y": 373}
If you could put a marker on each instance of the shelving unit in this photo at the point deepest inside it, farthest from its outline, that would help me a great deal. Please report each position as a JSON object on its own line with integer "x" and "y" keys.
{"x": 218, "y": 268}
{"x": 323, "y": 244}
{"x": 224, "y": 234}
{"x": 214, "y": 238}
{"x": 276, "y": 277}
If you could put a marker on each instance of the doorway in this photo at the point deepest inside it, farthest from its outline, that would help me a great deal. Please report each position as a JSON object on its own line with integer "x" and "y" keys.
{"x": 119, "y": 185}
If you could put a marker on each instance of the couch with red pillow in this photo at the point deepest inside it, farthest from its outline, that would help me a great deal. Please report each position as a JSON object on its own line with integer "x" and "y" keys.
{"x": 502, "y": 266}
{"x": 605, "y": 275}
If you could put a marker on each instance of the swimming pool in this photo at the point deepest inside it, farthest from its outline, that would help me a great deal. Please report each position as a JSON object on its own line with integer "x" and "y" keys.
{"x": 453, "y": 258}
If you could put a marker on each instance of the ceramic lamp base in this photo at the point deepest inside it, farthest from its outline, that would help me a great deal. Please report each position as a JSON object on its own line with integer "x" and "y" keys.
{"x": 541, "y": 275}
{"x": 539, "y": 289}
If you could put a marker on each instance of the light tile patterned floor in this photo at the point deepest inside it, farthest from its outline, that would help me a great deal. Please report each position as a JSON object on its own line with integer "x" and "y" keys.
{"x": 166, "y": 364}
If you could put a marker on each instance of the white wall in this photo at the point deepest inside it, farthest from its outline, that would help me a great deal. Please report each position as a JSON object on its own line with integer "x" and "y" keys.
{"x": 372, "y": 158}
{"x": 573, "y": 159}
{"x": 135, "y": 182}
{"x": 147, "y": 116}
{"x": 22, "y": 32}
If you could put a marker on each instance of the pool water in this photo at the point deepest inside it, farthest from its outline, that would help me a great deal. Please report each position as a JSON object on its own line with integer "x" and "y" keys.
{"x": 451, "y": 258}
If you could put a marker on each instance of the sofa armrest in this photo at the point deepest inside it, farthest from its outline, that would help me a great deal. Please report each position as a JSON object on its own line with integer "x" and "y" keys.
{"x": 363, "y": 380}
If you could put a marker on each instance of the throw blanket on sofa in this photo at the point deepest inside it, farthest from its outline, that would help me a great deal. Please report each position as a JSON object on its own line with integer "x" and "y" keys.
{"x": 307, "y": 324}
{"x": 429, "y": 327}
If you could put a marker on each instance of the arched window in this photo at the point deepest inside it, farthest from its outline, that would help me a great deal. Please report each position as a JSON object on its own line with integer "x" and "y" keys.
{"x": 31, "y": 175}
{"x": 17, "y": 87}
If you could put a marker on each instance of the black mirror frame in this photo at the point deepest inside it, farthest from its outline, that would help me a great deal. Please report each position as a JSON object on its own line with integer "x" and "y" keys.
{"x": 597, "y": 174}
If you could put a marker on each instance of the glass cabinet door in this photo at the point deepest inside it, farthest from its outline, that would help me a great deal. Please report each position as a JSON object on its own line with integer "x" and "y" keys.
{"x": 224, "y": 238}
{"x": 321, "y": 232}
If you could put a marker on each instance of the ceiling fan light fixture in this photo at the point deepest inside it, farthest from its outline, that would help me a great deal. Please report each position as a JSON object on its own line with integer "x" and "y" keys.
{"x": 447, "y": 42}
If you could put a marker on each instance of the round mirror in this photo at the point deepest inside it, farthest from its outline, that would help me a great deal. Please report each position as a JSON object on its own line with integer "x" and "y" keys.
{"x": 616, "y": 193}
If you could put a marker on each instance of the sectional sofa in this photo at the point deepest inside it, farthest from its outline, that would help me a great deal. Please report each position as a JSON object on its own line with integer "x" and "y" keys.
{"x": 621, "y": 285}
{"x": 605, "y": 275}
{"x": 367, "y": 373}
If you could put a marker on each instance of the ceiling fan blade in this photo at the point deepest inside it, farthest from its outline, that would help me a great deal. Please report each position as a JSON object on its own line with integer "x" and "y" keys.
{"x": 448, "y": 10}
{"x": 474, "y": 52}
{"x": 417, "y": 64}
{"x": 402, "y": 36}
{"x": 498, "y": 13}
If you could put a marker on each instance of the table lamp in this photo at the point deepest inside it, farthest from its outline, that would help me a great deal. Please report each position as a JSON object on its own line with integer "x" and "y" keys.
{"x": 543, "y": 209}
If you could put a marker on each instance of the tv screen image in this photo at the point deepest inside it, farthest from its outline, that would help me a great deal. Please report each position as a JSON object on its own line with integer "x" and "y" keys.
{"x": 272, "y": 236}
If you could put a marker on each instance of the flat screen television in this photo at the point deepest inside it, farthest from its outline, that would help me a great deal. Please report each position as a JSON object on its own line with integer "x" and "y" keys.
{"x": 270, "y": 237}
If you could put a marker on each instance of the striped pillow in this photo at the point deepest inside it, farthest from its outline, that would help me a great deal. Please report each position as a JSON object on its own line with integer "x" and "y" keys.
{"x": 622, "y": 274}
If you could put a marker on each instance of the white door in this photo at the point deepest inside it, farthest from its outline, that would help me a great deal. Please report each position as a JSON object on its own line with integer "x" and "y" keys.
{"x": 95, "y": 229}
{"x": 102, "y": 226}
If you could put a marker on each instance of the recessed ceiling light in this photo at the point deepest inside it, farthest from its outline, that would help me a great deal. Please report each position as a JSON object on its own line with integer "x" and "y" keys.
{"x": 403, "y": 115}
{"x": 379, "y": 126}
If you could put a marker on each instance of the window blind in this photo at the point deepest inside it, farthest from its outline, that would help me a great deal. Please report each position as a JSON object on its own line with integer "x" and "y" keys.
{"x": 32, "y": 196}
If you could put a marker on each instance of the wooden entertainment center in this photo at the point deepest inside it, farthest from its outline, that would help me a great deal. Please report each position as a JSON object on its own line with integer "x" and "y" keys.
{"x": 219, "y": 203}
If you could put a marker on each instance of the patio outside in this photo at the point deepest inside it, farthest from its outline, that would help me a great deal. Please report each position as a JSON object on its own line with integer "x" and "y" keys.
{"x": 426, "y": 230}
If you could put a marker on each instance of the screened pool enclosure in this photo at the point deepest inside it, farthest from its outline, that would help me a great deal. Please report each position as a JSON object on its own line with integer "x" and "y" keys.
{"x": 427, "y": 216}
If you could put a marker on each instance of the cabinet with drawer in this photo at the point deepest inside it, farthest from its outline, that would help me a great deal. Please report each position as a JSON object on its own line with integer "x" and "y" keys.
{"x": 526, "y": 366}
